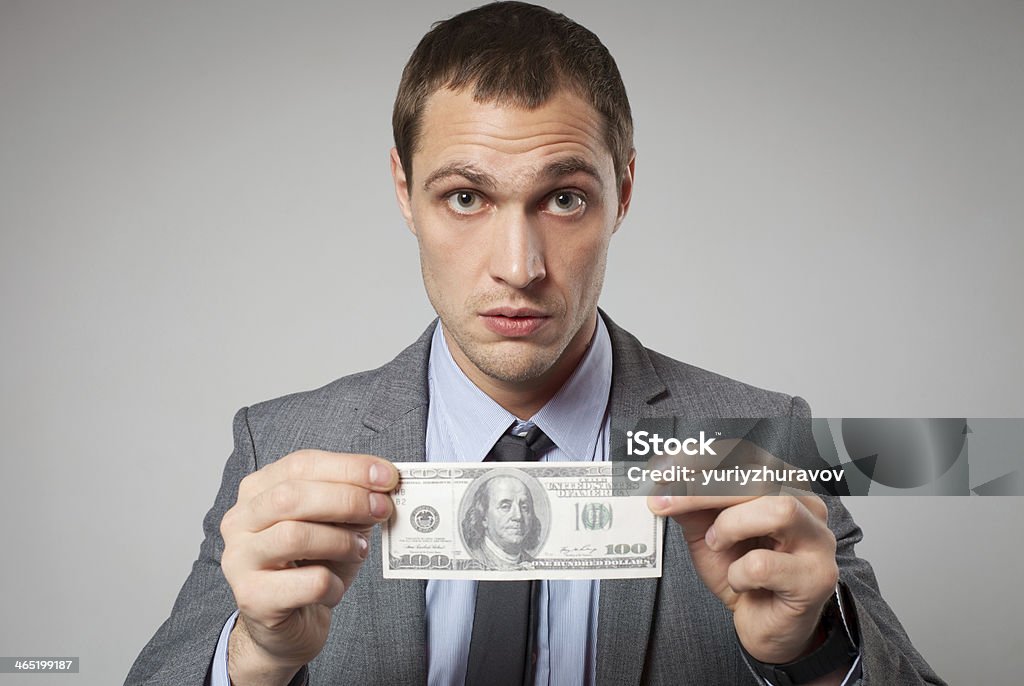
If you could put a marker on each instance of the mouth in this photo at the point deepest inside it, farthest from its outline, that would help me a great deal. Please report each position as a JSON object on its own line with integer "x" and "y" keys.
{"x": 514, "y": 322}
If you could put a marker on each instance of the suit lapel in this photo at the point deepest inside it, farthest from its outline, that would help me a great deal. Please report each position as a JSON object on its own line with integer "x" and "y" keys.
{"x": 394, "y": 427}
{"x": 627, "y": 605}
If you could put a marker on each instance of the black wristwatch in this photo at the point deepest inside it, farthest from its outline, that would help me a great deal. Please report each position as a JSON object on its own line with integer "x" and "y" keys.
{"x": 838, "y": 620}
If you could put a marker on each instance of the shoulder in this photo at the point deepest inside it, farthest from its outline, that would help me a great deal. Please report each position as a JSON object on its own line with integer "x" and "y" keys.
{"x": 340, "y": 397}
{"x": 686, "y": 389}
{"x": 324, "y": 416}
{"x": 721, "y": 395}
{"x": 316, "y": 418}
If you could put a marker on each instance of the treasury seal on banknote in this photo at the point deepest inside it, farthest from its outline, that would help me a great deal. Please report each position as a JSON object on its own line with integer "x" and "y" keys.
{"x": 424, "y": 519}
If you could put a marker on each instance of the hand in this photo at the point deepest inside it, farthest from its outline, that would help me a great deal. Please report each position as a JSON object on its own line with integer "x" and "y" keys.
{"x": 293, "y": 543}
{"x": 770, "y": 559}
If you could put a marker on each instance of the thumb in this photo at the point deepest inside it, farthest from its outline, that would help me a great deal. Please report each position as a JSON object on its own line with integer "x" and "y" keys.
{"x": 695, "y": 523}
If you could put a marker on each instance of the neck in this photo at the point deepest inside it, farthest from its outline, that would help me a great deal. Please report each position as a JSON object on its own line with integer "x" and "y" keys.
{"x": 525, "y": 398}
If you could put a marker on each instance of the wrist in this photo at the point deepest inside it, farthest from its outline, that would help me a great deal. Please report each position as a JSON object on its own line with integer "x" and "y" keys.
{"x": 826, "y": 662}
{"x": 781, "y": 649}
{"x": 815, "y": 641}
{"x": 250, "y": 665}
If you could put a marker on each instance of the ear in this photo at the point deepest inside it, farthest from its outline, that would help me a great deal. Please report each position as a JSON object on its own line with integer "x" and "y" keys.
{"x": 626, "y": 190}
{"x": 402, "y": 189}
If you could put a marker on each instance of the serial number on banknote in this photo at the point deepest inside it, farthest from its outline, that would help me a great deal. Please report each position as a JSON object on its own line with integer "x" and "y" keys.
{"x": 518, "y": 520}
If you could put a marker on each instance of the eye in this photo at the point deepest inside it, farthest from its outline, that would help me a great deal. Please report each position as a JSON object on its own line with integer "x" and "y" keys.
{"x": 465, "y": 202}
{"x": 565, "y": 202}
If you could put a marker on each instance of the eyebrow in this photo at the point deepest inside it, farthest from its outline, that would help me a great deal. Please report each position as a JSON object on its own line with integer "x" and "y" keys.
{"x": 466, "y": 171}
{"x": 568, "y": 166}
{"x": 558, "y": 169}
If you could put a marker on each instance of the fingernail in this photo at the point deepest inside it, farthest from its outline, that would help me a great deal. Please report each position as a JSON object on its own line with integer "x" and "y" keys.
{"x": 364, "y": 545}
{"x": 380, "y": 475}
{"x": 710, "y": 537}
{"x": 662, "y": 502}
{"x": 378, "y": 505}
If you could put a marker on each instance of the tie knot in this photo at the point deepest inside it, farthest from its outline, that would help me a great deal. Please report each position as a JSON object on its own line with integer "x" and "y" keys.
{"x": 528, "y": 448}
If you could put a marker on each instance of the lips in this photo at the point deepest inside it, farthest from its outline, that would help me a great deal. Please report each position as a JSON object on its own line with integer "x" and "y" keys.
{"x": 513, "y": 312}
{"x": 514, "y": 322}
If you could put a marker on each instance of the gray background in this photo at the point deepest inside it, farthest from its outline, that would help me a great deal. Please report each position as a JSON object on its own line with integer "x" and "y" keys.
{"x": 197, "y": 214}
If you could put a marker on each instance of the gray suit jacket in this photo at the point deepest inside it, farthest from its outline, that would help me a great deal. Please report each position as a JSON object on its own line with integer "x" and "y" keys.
{"x": 670, "y": 630}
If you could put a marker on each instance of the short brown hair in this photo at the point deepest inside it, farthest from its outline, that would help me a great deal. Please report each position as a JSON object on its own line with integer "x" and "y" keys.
{"x": 513, "y": 54}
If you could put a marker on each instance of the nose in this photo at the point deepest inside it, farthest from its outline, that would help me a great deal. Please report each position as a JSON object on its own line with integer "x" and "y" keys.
{"x": 517, "y": 250}
{"x": 516, "y": 513}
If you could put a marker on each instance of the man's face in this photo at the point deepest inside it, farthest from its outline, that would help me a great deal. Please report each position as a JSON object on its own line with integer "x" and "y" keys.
{"x": 509, "y": 513}
{"x": 513, "y": 210}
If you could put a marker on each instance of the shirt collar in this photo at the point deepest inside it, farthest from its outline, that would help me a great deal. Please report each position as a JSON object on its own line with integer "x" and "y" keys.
{"x": 572, "y": 418}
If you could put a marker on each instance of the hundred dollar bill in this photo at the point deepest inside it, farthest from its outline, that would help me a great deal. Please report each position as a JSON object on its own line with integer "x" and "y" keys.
{"x": 518, "y": 520}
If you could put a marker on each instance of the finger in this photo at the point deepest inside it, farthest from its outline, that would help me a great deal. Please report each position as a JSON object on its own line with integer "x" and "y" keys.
{"x": 816, "y": 505}
{"x": 674, "y": 505}
{"x": 367, "y": 471}
{"x": 693, "y": 513}
{"x": 770, "y": 570}
{"x": 293, "y": 541}
{"x": 315, "y": 501}
{"x": 695, "y": 525}
{"x": 276, "y": 593}
{"x": 785, "y": 519}
{"x": 789, "y": 575}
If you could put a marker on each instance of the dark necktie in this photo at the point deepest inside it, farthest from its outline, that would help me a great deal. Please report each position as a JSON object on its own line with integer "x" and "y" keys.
{"x": 501, "y": 649}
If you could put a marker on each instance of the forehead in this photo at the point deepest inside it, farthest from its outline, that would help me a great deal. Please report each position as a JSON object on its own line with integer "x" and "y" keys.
{"x": 507, "y": 487}
{"x": 512, "y": 144}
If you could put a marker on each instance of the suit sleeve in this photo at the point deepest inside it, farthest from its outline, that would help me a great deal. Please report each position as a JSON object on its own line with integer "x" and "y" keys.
{"x": 887, "y": 655}
{"x": 181, "y": 651}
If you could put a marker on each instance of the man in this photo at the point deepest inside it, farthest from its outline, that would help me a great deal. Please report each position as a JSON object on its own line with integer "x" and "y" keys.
{"x": 501, "y": 527}
{"x": 513, "y": 167}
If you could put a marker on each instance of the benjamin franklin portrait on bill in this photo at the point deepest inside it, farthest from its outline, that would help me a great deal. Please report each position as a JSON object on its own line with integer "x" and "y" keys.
{"x": 505, "y": 517}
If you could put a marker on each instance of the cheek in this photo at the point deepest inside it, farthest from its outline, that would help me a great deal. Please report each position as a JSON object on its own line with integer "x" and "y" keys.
{"x": 439, "y": 255}
{"x": 432, "y": 238}
{"x": 583, "y": 268}
{"x": 448, "y": 252}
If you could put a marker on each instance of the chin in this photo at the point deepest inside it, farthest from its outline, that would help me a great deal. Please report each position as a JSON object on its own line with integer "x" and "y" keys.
{"x": 512, "y": 368}
{"x": 513, "y": 361}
